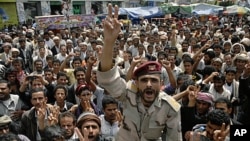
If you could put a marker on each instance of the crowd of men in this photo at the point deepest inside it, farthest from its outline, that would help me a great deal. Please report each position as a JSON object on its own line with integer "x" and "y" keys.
{"x": 183, "y": 79}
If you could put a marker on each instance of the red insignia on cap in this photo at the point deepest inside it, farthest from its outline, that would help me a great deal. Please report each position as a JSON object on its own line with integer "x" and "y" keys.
{"x": 149, "y": 67}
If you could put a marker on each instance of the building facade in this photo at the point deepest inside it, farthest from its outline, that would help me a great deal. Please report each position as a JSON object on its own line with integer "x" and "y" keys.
{"x": 34, "y": 8}
{"x": 26, "y": 10}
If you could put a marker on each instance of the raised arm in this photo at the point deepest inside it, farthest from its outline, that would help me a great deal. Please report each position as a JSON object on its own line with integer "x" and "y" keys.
{"x": 112, "y": 28}
{"x": 167, "y": 66}
{"x": 63, "y": 65}
{"x": 134, "y": 63}
{"x": 91, "y": 62}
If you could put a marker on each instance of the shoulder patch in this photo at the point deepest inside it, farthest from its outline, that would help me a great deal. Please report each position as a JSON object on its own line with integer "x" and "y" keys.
{"x": 171, "y": 101}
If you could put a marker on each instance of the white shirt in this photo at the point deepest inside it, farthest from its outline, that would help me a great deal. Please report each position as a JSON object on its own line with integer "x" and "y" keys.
{"x": 60, "y": 57}
{"x": 50, "y": 43}
{"x": 107, "y": 129}
{"x": 64, "y": 107}
{"x": 226, "y": 93}
{"x": 10, "y": 105}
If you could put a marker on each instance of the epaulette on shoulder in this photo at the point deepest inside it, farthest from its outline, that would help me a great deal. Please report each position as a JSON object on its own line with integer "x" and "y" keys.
{"x": 131, "y": 86}
{"x": 171, "y": 101}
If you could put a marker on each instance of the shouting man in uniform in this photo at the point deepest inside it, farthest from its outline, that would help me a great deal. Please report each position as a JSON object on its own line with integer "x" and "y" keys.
{"x": 148, "y": 113}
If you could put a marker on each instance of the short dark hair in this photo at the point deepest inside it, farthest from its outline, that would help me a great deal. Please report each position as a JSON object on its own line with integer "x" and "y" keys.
{"x": 9, "y": 137}
{"x": 185, "y": 84}
{"x": 188, "y": 60}
{"x": 18, "y": 60}
{"x": 223, "y": 100}
{"x": 56, "y": 61}
{"x": 218, "y": 117}
{"x": 79, "y": 69}
{"x": 208, "y": 70}
{"x": 59, "y": 74}
{"x": 108, "y": 100}
{"x": 48, "y": 70}
{"x": 5, "y": 81}
{"x": 184, "y": 42}
{"x": 49, "y": 57}
{"x": 174, "y": 48}
{"x": 161, "y": 53}
{"x": 76, "y": 58}
{"x": 32, "y": 91}
{"x": 219, "y": 77}
{"x": 210, "y": 54}
{"x": 38, "y": 60}
{"x": 60, "y": 87}
{"x": 67, "y": 114}
{"x": 197, "y": 46}
{"x": 230, "y": 69}
{"x": 217, "y": 46}
{"x": 52, "y": 132}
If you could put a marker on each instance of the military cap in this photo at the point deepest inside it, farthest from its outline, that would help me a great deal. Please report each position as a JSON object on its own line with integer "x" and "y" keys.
{"x": 150, "y": 67}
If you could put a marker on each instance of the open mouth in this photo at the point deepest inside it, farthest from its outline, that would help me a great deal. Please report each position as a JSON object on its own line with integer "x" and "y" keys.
{"x": 91, "y": 137}
{"x": 149, "y": 92}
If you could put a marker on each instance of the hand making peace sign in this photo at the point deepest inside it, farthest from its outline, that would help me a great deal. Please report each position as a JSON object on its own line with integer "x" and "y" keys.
{"x": 111, "y": 25}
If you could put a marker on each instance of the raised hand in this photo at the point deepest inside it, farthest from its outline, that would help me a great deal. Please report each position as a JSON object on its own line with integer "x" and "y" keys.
{"x": 87, "y": 106}
{"x": 92, "y": 60}
{"x": 136, "y": 60}
{"x": 55, "y": 110}
{"x": 41, "y": 113}
{"x": 16, "y": 115}
{"x": 220, "y": 135}
{"x": 166, "y": 64}
{"x": 119, "y": 117}
{"x": 71, "y": 54}
{"x": 111, "y": 25}
{"x": 40, "y": 77}
{"x": 52, "y": 119}
{"x": 73, "y": 109}
{"x": 193, "y": 93}
{"x": 80, "y": 136}
{"x": 112, "y": 28}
